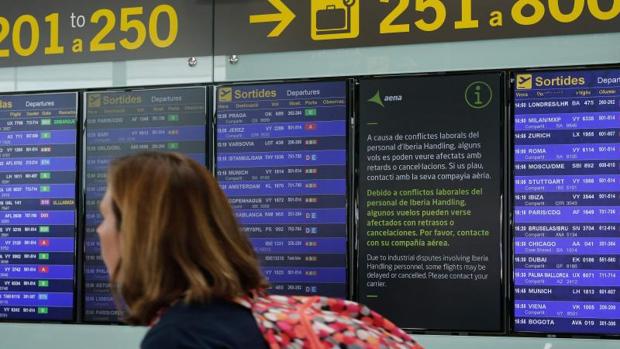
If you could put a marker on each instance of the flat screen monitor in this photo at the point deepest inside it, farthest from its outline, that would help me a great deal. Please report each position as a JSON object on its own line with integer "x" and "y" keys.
{"x": 281, "y": 157}
{"x": 430, "y": 201}
{"x": 567, "y": 202}
{"x": 38, "y": 206}
{"x": 120, "y": 123}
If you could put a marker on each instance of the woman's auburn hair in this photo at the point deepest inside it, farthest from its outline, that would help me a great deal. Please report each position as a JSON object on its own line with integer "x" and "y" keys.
{"x": 179, "y": 236}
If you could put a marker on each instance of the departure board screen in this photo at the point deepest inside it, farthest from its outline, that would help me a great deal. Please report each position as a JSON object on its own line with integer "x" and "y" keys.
{"x": 567, "y": 202}
{"x": 38, "y": 206}
{"x": 282, "y": 161}
{"x": 430, "y": 208}
{"x": 120, "y": 123}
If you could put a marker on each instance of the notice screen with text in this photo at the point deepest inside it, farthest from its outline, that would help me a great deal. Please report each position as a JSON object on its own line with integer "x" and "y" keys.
{"x": 430, "y": 180}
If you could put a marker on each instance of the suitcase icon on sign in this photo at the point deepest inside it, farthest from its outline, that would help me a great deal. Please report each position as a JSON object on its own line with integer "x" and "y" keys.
{"x": 331, "y": 19}
{"x": 335, "y": 19}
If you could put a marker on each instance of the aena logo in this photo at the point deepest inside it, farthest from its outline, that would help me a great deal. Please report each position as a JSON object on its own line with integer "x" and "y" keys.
{"x": 377, "y": 99}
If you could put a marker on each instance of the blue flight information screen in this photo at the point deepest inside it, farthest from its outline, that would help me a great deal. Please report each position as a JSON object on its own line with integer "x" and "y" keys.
{"x": 120, "y": 123}
{"x": 38, "y": 206}
{"x": 567, "y": 202}
{"x": 282, "y": 161}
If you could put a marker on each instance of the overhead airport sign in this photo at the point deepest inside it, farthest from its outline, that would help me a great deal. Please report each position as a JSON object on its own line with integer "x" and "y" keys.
{"x": 254, "y": 26}
{"x": 38, "y": 32}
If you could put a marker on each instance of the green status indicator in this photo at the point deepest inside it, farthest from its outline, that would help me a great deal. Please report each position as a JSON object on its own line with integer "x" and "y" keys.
{"x": 44, "y": 256}
{"x": 46, "y": 122}
{"x": 45, "y": 189}
{"x": 64, "y": 122}
{"x": 46, "y": 135}
{"x": 173, "y": 117}
{"x": 310, "y": 112}
{"x": 43, "y": 283}
{"x": 42, "y": 310}
{"x": 172, "y": 146}
{"x": 44, "y": 229}
{"x": 45, "y": 175}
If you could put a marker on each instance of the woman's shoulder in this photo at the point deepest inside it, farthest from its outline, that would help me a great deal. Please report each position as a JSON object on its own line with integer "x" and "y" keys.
{"x": 220, "y": 310}
{"x": 165, "y": 336}
{"x": 218, "y": 324}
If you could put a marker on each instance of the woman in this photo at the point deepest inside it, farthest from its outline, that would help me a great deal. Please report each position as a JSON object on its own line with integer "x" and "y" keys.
{"x": 176, "y": 255}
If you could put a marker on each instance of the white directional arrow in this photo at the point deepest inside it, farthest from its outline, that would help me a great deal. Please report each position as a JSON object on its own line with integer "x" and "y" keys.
{"x": 285, "y": 16}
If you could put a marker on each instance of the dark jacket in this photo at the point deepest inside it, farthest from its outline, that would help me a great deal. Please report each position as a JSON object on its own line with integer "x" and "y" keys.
{"x": 217, "y": 325}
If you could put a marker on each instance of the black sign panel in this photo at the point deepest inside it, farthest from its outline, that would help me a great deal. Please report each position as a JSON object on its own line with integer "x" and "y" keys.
{"x": 253, "y": 26}
{"x": 430, "y": 184}
{"x": 119, "y": 123}
{"x": 38, "y": 32}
